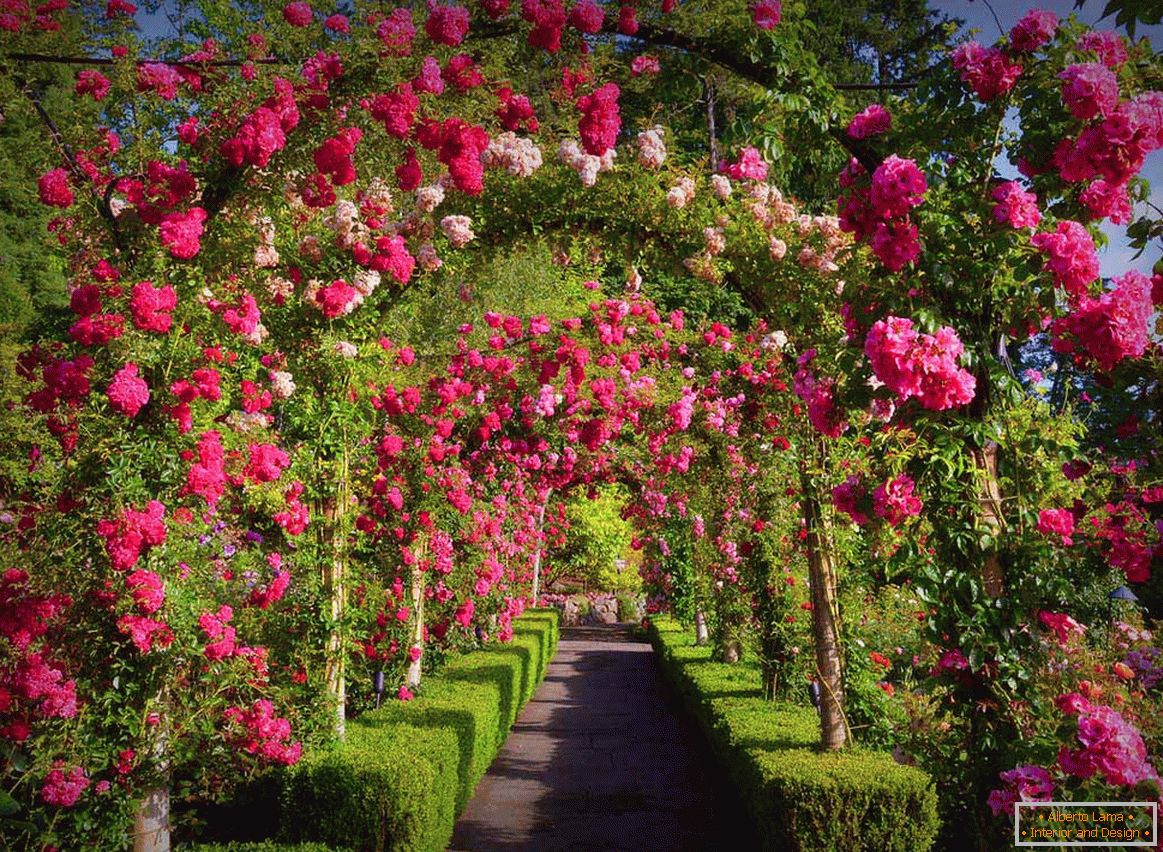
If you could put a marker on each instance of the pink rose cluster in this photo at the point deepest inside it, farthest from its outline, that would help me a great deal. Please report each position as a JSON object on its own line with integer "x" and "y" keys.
{"x": 334, "y": 156}
{"x": 263, "y": 596}
{"x": 516, "y": 112}
{"x": 206, "y": 477}
{"x": 396, "y": 110}
{"x": 447, "y": 25}
{"x": 879, "y": 211}
{"x": 1111, "y": 746}
{"x": 1059, "y": 522}
{"x": 548, "y": 19}
{"x": 893, "y": 500}
{"x": 151, "y": 306}
{"x": 132, "y": 532}
{"x": 298, "y": 14}
{"x": 851, "y": 497}
{"x": 295, "y": 516}
{"x": 181, "y": 233}
{"x": 871, "y": 121}
{"x": 1016, "y": 207}
{"x": 219, "y": 633}
{"x": 396, "y": 32}
{"x": 161, "y": 79}
{"x": 459, "y": 145}
{"x": 1036, "y": 28}
{"x": 264, "y": 131}
{"x": 749, "y": 166}
{"x": 586, "y": 16}
{"x": 90, "y": 82}
{"x": 818, "y": 393}
{"x": 53, "y": 187}
{"x": 1116, "y": 142}
{"x": 1110, "y": 328}
{"x": 1089, "y": 89}
{"x": 1022, "y": 784}
{"x": 1071, "y": 257}
{"x": 266, "y": 463}
{"x": 128, "y": 393}
{"x": 1106, "y": 45}
{"x": 1061, "y": 625}
{"x": 264, "y": 734}
{"x": 766, "y": 14}
{"x": 989, "y": 71}
{"x": 63, "y": 785}
{"x": 601, "y": 119}
{"x": 919, "y": 365}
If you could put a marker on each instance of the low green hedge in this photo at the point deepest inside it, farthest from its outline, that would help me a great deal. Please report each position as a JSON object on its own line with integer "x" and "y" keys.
{"x": 261, "y": 846}
{"x": 406, "y": 770}
{"x": 801, "y": 798}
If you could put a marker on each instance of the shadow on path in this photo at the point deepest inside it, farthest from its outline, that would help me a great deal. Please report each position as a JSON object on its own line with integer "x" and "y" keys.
{"x": 601, "y": 760}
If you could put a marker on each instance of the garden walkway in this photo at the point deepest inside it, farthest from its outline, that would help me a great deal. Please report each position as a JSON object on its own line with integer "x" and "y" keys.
{"x": 599, "y": 760}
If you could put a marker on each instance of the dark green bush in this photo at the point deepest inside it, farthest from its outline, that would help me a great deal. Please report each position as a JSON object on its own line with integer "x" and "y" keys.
{"x": 800, "y": 798}
{"x": 408, "y": 769}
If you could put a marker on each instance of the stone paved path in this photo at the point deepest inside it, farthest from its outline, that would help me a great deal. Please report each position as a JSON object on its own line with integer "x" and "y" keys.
{"x": 599, "y": 760}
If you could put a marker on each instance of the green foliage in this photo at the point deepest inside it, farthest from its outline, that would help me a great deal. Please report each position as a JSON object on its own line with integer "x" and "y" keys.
{"x": 407, "y": 769}
{"x": 1130, "y": 13}
{"x": 32, "y": 262}
{"x": 800, "y": 798}
{"x": 598, "y": 538}
{"x": 627, "y": 608}
{"x": 384, "y": 788}
{"x": 260, "y": 846}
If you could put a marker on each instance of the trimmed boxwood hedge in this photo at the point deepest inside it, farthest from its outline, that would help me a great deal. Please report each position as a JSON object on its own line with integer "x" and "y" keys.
{"x": 801, "y": 798}
{"x": 263, "y": 846}
{"x": 406, "y": 770}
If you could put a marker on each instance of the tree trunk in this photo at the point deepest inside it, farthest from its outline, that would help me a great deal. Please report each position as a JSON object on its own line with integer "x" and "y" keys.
{"x": 713, "y": 142}
{"x": 151, "y": 823}
{"x": 540, "y": 550}
{"x": 414, "y": 667}
{"x": 702, "y": 636}
{"x": 989, "y": 488}
{"x": 825, "y": 620}
{"x": 770, "y": 674}
{"x": 335, "y": 582}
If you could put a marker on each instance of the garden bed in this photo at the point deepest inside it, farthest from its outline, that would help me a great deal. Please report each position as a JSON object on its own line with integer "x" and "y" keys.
{"x": 800, "y": 798}
{"x": 407, "y": 770}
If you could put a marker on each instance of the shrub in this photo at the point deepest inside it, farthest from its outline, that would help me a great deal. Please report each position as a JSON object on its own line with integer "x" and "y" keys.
{"x": 260, "y": 846}
{"x": 408, "y": 769}
{"x": 799, "y": 797}
{"x": 627, "y": 607}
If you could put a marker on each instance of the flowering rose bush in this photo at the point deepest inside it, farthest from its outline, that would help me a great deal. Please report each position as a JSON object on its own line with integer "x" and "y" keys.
{"x": 259, "y": 475}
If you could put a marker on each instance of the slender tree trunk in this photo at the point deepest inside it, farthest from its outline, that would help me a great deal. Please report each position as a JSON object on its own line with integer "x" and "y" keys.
{"x": 335, "y": 582}
{"x": 414, "y": 668}
{"x": 770, "y": 676}
{"x": 151, "y": 823}
{"x": 713, "y": 143}
{"x": 989, "y": 487}
{"x": 540, "y": 550}
{"x": 702, "y": 636}
{"x": 825, "y": 621}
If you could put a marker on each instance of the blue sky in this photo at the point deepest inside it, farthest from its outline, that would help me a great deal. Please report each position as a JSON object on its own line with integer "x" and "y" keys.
{"x": 1117, "y": 257}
